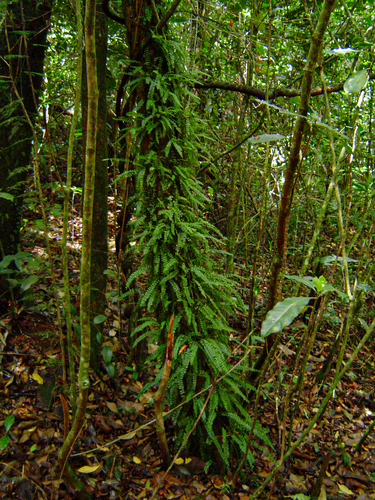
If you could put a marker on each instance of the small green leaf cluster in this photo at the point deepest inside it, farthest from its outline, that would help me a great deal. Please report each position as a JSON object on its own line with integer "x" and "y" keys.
{"x": 20, "y": 271}
{"x": 107, "y": 357}
{"x": 4, "y": 440}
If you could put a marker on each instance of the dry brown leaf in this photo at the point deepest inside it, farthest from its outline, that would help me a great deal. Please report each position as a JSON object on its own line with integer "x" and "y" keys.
{"x": 198, "y": 486}
{"x": 26, "y": 435}
{"x": 132, "y": 406}
{"x": 112, "y": 406}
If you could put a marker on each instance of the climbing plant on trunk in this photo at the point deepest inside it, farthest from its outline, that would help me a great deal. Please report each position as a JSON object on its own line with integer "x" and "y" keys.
{"x": 174, "y": 239}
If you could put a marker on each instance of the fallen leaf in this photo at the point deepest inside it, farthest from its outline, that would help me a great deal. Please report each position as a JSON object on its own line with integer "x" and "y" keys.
{"x": 344, "y": 489}
{"x": 100, "y": 421}
{"x": 112, "y": 406}
{"x": 88, "y": 469}
{"x": 285, "y": 350}
{"x": 147, "y": 397}
{"x": 37, "y": 377}
{"x": 26, "y": 435}
{"x": 130, "y": 435}
{"x": 41, "y": 460}
{"x": 137, "y": 460}
{"x": 131, "y": 406}
{"x": 198, "y": 486}
{"x": 323, "y": 494}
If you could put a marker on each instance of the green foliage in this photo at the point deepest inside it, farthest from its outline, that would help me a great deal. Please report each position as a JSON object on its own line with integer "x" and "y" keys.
{"x": 107, "y": 357}
{"x": 283, "y": 314}
{"x": 177, "y": 246}
{"x": 20, "y": 271}
{"x": 4, "y": 440}
{"x": 356, "y": 82}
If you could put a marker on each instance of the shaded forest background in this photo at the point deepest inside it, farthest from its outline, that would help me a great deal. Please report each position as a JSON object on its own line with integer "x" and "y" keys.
{"x": 186, "y": 227}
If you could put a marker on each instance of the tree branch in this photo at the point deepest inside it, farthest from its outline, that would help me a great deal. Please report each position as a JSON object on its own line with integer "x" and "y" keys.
{"x": 273, "y": 94}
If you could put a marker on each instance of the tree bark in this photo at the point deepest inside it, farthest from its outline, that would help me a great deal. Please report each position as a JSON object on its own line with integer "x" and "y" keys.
{"x": 99, "y": 255}
{"x": 23, "y": 41}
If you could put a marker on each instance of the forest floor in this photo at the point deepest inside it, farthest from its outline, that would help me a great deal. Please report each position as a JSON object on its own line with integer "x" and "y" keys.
{"x": 117, "y": 454}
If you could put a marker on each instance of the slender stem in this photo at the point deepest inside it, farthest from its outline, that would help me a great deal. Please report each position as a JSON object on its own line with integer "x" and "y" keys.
{"x": 67, "y": 189}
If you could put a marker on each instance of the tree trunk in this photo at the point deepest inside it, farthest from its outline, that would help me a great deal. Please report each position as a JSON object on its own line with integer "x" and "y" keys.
{"x": 99, "y": 255}
{"x": 22, "y": 46}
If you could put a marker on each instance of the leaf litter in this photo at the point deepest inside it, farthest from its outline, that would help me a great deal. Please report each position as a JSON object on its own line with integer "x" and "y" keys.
{"x": 117, "y": 453}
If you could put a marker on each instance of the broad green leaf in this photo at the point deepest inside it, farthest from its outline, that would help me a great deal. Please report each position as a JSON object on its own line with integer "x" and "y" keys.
{"x": 310, "y": 119}
{"x": 332, "y": 258}
{"x": 35, "y": 376}
{"x": 111, "y": 370}
{"x": 283, "y": 314}
{"x": 356, "y": 82}
{"x": 110, "y": 272}
{"x": 365, "y": 287}
{"x": 320, "y": 283}
{"x": 30, "y": 280}
{"x": 363, "y": 323}
{"x": 107, "y": 354}
{"x": 6, "y": 261}
{"x": 329, "y": 288}
{"x": 305, "y": 281}
{"x": 341, "y": 52}
{"x": 4, "y": 441}
{"x": 257, "y": 139}
{"x": 99, "y": 319}
{"x": 326, "y": 261}
{"x": 8, "y": 422}
{"x": 7, "y": 196}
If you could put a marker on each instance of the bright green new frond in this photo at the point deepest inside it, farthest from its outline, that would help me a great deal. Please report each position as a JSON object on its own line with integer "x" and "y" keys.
{"x": 216, "y": 353}
{"x": 174, "y": 285}
{"x": 188, "y": 312}
{"x": 145, "y": 323}
{"x": 148, "y": 295}
{"x": 241, "y": 443}
{"x": 234, "y": 386}
{"x": 244, "y": 424}
{"x": 223, "y": 452}
{"x": 142, "y": 269}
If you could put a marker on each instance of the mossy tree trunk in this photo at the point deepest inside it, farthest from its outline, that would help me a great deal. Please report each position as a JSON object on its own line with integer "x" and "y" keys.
{"x": 99, "y": 255}
{"x": 23, "y": 40}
